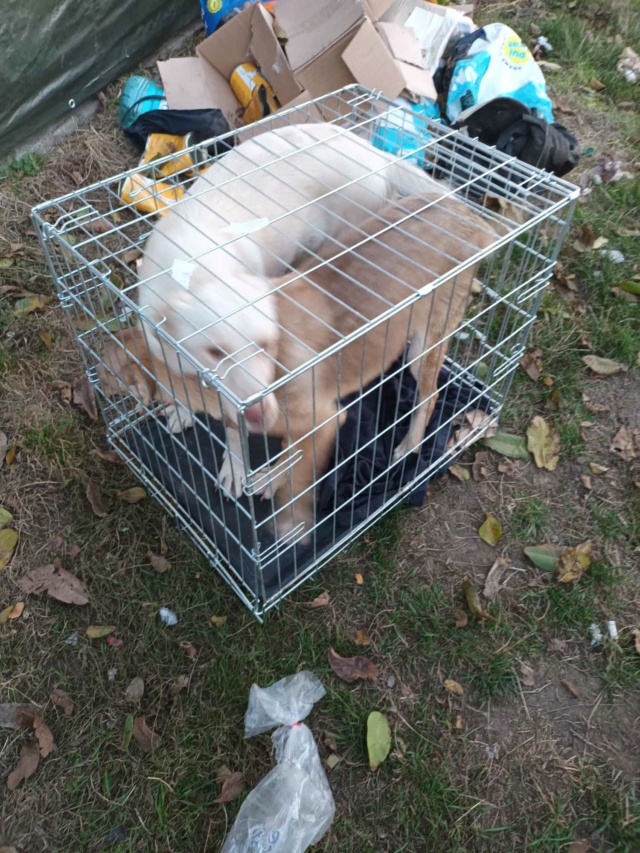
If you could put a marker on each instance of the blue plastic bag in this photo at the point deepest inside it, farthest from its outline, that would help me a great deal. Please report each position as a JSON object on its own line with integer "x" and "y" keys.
{"x": 497, "y": 64}
{"x": 400, "y": 133}
{"x": 213, "y": 11}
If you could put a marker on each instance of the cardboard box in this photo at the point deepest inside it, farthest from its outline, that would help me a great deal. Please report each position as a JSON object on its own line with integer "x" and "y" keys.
{"x": 333, "y": 43}
{"x": 202, "y": 81}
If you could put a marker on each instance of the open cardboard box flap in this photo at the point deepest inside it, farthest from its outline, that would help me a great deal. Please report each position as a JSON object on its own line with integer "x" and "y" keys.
{"x": 202, "y": 82}
{"x": 312, "y": 27}
{"x": 374, "y": 66}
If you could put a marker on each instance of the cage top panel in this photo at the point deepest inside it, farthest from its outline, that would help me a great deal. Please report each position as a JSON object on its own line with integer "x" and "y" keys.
{"x": 308, "y": 205}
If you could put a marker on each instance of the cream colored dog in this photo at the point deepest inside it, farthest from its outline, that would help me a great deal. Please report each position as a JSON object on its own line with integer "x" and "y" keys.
{"x": 315, "y": 310}
{"x": 207, "y": 267}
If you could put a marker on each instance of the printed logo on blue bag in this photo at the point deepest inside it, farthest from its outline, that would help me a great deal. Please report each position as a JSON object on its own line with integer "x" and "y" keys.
{"x": 514, "y": 51}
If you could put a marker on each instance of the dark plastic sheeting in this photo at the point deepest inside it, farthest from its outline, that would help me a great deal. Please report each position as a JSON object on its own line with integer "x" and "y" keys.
{"x": 51, "y": 53}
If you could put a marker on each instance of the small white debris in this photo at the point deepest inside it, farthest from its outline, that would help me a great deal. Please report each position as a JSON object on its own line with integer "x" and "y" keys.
{"x": 111, "y": 674}
{"x": 72, "y": 640}
{"x": 614, "y": 255}
{"x": 612, "y": 628}
{"x": 168, "y": 616}
{"x": 544, "y": 43}
{"x": 596, "y": 634}
{"x": 492, "y": 752}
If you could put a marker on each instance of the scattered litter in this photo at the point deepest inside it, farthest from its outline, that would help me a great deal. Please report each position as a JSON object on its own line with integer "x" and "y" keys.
{"x": 596, "y": 634}
{"x": 111, "y": 673}
{"x": 168, "y": 616}
{"x": 492, "y": 752}
{"x": 629, "y": 65}
{"x": 292, "y": 807}
{"x": 614, "y": 255}
{"x": 612, "y": 629}
{"x": 544, "y": 43}
{"x": 72, "y": 640}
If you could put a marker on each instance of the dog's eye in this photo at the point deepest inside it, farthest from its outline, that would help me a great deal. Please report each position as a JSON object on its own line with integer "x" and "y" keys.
{"x": 215, "y": 353}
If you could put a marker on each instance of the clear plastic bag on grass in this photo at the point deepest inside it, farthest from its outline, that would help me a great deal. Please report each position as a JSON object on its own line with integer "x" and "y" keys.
{"x": 292, "y": 807}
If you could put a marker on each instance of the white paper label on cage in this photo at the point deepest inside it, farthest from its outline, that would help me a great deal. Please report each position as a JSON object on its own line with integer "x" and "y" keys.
{"x": 181, "y": 271}
{"x": 239, "y": 229}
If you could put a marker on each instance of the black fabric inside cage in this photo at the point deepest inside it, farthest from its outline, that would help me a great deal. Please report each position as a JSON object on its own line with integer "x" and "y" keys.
{"x": 362, "y": 478}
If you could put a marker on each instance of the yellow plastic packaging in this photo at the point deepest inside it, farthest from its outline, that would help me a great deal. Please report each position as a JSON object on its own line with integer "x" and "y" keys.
{"x": 253, "y": 92}
{"x": 149, "y": 196}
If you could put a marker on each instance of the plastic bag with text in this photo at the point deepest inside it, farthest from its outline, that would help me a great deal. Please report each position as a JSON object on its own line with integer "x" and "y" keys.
{"x": 292, "y": 807}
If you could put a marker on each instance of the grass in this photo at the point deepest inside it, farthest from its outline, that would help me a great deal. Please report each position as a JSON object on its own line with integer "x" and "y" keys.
{"x": 494, "y": 769}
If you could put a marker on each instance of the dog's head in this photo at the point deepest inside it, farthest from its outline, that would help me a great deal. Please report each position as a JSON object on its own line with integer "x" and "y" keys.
{"x": 229, "y": 329}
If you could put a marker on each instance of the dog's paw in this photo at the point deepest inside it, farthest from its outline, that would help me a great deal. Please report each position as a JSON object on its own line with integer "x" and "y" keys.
{"x": 231, "y": 475}
{"x": 403, "y": 449}
{"x": 178, "y": 419}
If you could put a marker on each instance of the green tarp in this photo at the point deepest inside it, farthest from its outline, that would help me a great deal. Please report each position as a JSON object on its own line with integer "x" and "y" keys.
{"x": 53, "y": 52}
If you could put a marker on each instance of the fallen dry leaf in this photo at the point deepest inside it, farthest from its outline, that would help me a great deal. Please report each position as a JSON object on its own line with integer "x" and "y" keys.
{"x": 62, "y": 700}
{"x": 636, "y": 639}
{"x": 46, "y": 337}
{"x": 597, "y": 469}
{"x": 65, "y": 391}
{"x": 490, "y": 530}
{"x": 358, "y": 578}
{"x": 603, "y": 366}
{"x": 96, "y": 632}
{"x": 218, "y": 621}
{"x": 4, "y": 614}
{"x": 4, "y": 442}
{"x": 8, "y": 542}
{"x": 453, "y": 687}
{"x": 330, "y": 742}
{"x": 135, "y": 690}
{"x": 133, "y": 495}
{"x": 596, "y": 85}
{"x": 460, "y": 473}
{"x": 332, "y": 761}
{"x": 578, "y": 847}
{"x": 573, "y": 562}
{"x": 480, "y": 467}
{"x": 527, "y": 677}
{"x": 109, "y": 456}
{"x": 477, "y": 423}
{"x": 146, "y": 739}
{"x": 362, "y": 637}
{"x": 26, "y": 766}
{"x": 83, "y": 396}
{"x": 623, "y": 442}
{"x": 586, "y": 481}
{"x": 351, "y": 669}
{"x": 492, "y": 582}
{"x": 5, "y": 517}
{"x": 56, "y": 582}
{"x": 458, "y": 723}
{"x": 99, "y": 504}
{"x": 159, "y": 562}
{"x": 179, "y": 684}
{"x": 473, "y": 601}
{"x": 10, "y": 456}
{"x": 16, "y": 611}
{"x": 506, "y": 466}
{"x": 29, "y": 304}
{"x": 321, "y": 601}
{"x": 570, "y": 687}
{"x": 594, "y": 408}
{"x": 190, "y": 650}
{"x": 460, "y": 617}
{"x": 531, "y": 364}
{"x": 544, "y": 443}
{"x": 232, "y": 786}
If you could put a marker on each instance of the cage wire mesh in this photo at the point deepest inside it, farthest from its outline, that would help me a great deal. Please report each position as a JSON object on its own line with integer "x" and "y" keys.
{"x": 277, "y": 427}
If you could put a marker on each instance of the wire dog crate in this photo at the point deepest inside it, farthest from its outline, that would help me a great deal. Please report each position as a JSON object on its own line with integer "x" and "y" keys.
{"x": 360, "y": 342}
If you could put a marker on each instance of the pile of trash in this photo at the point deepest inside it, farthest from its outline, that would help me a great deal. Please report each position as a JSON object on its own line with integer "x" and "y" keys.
{"x": 259, "y": 58}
